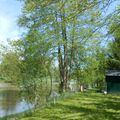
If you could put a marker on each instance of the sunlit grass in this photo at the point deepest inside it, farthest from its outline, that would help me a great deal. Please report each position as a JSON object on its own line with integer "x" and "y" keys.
{"x": 81, "y": 106}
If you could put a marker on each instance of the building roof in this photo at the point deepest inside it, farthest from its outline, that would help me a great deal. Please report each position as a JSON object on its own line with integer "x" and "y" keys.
{"x": 113, "y": 73}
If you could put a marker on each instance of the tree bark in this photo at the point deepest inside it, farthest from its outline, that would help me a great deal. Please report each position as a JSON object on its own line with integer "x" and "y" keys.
{"x": 65, "y": 54}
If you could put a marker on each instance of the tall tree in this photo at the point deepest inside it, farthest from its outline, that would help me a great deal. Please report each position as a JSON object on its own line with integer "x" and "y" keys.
{"x": 36, "y": 61}
{"x": 114, "y": 51}
{"x": 68, "y": 24}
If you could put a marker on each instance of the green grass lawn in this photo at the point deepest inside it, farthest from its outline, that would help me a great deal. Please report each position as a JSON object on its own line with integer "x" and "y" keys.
{"x": 81, "y": 106}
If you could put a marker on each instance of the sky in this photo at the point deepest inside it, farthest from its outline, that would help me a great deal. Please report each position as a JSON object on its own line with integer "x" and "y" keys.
{"x": 10, "y": 10}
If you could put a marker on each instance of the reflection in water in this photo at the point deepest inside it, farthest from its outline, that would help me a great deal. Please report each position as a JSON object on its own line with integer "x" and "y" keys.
{"x": 11, "y": 102}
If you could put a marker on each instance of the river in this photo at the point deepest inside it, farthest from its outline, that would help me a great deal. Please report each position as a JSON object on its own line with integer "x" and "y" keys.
{"x": 11, "y": 101}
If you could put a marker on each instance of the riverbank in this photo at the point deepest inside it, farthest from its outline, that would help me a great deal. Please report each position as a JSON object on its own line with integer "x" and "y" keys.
{"x": 81, "y": 106}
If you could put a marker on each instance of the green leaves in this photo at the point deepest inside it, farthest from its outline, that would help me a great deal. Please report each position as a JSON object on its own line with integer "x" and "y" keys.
{"x": 10, "y": 67}
{"x": 114, "y": 47}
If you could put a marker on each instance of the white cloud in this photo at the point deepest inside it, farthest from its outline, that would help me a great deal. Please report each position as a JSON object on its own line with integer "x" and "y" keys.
{"x": 8, "y": 29}
{"x": 4, "y": 24}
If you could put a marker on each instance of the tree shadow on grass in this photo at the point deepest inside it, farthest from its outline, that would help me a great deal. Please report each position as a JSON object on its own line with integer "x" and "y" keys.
{"x": 100, "y": 111}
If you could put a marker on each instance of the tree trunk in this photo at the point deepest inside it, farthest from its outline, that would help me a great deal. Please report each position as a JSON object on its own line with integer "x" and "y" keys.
{"x": 62, "y": 56}
{"x": 61, "y": 70}
{"x": 65, "y": 54}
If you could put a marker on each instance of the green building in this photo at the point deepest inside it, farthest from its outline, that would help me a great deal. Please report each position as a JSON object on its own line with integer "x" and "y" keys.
{"x": 113, "y": 81}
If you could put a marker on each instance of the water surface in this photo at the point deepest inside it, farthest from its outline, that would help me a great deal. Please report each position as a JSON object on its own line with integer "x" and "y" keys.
{"x": 11, "y": 100}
